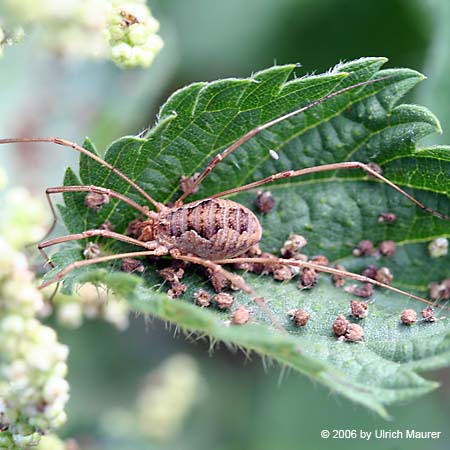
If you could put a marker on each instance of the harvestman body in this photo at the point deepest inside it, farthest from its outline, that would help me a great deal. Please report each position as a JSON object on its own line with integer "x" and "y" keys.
{"x": 209, "y": 232}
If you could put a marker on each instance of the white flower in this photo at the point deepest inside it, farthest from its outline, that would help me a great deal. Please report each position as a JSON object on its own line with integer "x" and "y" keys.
{"x": 18, "y": 369}
{"x": 121, "y": 53}
{"x": 24, "y": 219}
{"x": 38, "y": 358}
{"x": 24, "y": 441}
{"x": 59, "y": 420}
{"x": 60, "y": 369}
{"x": 137, "y": 34}
{"x": 61, "y": 352}
{"x": 46, "y": 335}
{"x": 168, "y": 396}
{"x": 116, "y": 312}
{"x": 155, "y": 43}
{"x": 56, "y": 388}
{"x": 70, "y": 314}
{"x": 14, "y": 324}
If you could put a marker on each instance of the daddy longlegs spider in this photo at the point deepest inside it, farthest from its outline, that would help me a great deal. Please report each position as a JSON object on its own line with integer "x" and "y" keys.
{"x": 211, "y": 232}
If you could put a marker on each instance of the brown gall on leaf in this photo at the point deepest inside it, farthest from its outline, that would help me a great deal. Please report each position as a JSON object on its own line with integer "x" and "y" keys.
{"x": 354, "y": 333}
{"x": 440, "y": 291}
{"x": 224, "y": 300}
{"x": 308, "y": 278}
{"x": 202, "y": 298}
{"x": 248, "y": 267}
{"x": 177, "y": 264}
{"x": 300, "y": 317}
{"x": 338, "y": 280}
{"x": 282, "y": 273}
{"x": 370, "y": 272}
{"x": 364, "y": 291}
{"x": 387, "y": 217}
{"x": 92, "y": 251}
{"x": 96, "y": 200}
{"x": 252, "y": 252}
{"x": 387, "y": 248}
{"x": 265, "y": 202}
{"x": 364, "y": 248}
{"x": 340, "y": 325}
{"x": 293, "y": 245}
{"x": 376, "y": 168}
{"x": 218, "y": 280}
{"x": 298, "y": 257}
{"x": 359, "y": 310}
{"x": 171, "y": 274}
{"x": 176, "y": 290}
{"x": 241, "y": 316}
{"x": 408, "y": 316}
{"x": 108, "y": 226}
{"x": 321, "y": 260}
{"x": 428, "y": 314}
{"x": 265, "y": 269}
{"x": 187, "y": 184}
{"x": 384, "y": 275}
{"x": 131, "y": 265}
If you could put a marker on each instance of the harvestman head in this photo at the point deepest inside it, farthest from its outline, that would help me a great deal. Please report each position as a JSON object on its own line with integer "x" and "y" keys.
{"x": 211, "y": 232}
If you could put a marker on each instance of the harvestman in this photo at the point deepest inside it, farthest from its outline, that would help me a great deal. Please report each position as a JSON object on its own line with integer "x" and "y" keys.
{"x": 211, "y": 232}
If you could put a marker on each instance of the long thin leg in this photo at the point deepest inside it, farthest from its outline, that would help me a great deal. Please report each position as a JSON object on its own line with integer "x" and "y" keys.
{"x": 328, "y": 167}
{"x": 216, "y": 160}
{"x": 88, "y": 262}
{"x": 237, "y": 281}
{"x": 151, "y": 245}
{"x": 320, "y": 268}
{"x": 91, "y": 155}
{"x": 96, "y": 189}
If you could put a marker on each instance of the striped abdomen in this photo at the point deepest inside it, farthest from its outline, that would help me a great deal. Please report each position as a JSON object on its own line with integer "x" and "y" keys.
{"x": 213, "y": 229}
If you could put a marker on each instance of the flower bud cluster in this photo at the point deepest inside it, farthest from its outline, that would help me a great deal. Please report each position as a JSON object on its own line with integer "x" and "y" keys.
{"x": 24, "y": 219}
{"x": 78, "y": 28}
{"x": 168, "y": 396}
{"x": 165, "y": 401}
{"x": 33, "y": 389}
{"x": 131, "y": 32}
{"x": 93, "y": 302}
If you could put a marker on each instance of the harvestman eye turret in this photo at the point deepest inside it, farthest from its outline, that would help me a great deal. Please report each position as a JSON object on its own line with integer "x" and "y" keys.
{"x": 211, "y": 232}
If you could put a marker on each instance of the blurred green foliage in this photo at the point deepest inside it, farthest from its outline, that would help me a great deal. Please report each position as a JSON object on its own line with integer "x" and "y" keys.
{"x": 207, "y": 39}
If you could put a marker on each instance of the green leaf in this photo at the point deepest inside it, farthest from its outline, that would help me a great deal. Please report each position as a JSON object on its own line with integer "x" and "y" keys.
{"x": 333, "y": 210}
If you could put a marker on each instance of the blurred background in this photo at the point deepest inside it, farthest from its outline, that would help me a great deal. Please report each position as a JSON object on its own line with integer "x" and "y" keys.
{"x": 195, "y": 399}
